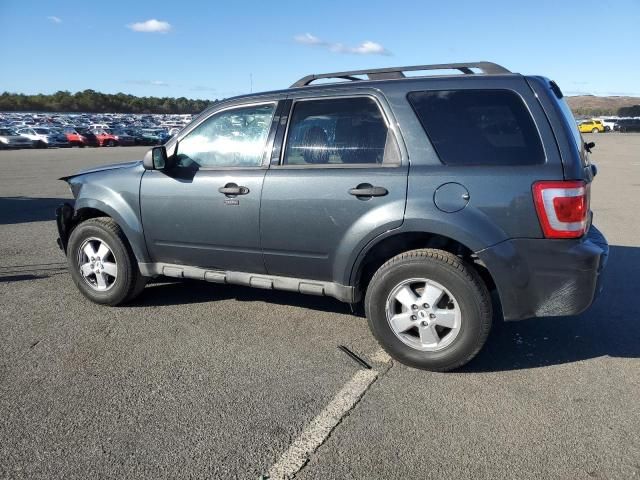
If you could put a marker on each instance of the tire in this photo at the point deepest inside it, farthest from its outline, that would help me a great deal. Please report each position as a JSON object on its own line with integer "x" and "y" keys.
{"x": 464, "y": 301}
{"x": 111, "y": 143}
{"x": 595, "y": 130}
{"x": 92, "y": 235}
{"x": 41, "y": 144}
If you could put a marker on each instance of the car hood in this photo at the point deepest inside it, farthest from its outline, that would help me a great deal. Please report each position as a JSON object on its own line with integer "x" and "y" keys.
{"x": 102, "y": 168}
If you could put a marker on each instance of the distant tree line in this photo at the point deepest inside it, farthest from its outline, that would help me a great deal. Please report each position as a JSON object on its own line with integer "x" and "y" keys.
{"x": 92, "y": 101}
{"x": 593, "y": 112}
{"x": 633, "y": 111}
{"x": 96, "y": 102}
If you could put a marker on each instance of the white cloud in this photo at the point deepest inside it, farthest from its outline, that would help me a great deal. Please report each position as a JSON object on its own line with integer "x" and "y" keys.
{"x": 369, "y": 48}
{"x": 54, "y": 19}
{"x": 365, "y": 48}
{"x": 150, "y": 26}
{"x": 308, "y": 39}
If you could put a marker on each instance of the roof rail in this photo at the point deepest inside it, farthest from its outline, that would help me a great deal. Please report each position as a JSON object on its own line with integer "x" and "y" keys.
{"x": 487, "y": 68}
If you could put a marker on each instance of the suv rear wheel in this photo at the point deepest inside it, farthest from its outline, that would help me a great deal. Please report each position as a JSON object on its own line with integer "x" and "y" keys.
{"x": 101, "y": 262}
{"x": 429, "y": 310}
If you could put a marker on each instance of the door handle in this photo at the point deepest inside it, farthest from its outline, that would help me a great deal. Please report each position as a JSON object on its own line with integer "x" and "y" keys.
{"x": 368, "y": 190}
{"x": 233, "y": 189}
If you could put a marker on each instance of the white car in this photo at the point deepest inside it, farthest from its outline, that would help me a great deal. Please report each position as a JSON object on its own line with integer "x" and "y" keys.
{"x": 43, "y": 137}
{"x": 608, "y": 123}
{"x": 9, "y": 138}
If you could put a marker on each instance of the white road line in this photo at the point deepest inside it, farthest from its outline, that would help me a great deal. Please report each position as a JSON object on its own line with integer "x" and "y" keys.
{"x": 297, "y": 455}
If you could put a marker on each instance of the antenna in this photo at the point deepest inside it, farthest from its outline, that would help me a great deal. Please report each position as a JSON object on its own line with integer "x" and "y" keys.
{"x": 251, "y": 83}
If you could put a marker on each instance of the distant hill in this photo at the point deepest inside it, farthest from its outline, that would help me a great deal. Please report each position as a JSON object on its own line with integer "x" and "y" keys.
{"x": 593, "y": 105}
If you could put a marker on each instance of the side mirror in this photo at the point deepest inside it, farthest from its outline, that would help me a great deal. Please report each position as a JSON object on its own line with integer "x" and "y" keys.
{"x": 155, "y": 159}
{"x": 589, "y": 146}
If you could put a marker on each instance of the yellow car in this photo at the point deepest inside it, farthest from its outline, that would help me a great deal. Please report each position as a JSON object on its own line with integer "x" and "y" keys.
{"x": 591, "y": 126}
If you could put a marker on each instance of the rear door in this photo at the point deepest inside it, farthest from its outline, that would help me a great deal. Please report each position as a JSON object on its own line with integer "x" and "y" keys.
{"x": 339, "y": 180}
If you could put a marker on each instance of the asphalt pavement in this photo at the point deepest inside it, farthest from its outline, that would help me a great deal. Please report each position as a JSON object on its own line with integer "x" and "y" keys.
{"x": 211, "y": 381}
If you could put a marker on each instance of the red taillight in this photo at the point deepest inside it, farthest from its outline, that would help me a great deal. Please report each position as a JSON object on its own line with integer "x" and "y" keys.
{"x": 563, "y": 208}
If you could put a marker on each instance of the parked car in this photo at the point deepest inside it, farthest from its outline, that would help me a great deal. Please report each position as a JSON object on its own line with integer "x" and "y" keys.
{"x": 591, "y": 126}
{"x": 609, "y": 124}
{"x": 89, "y": 138}
{"x": 309, "y": 189}
{"x": 9, "y": 138}
{"x": 146, "y": 136}
{"x": 629, "y": 125}
{"x": 44, "y": 137}
{"x": 122, "y": 137}
{"x": 105, "y": 138}
{"x": 155, "y": 136}
{"x": 76, "y": 139}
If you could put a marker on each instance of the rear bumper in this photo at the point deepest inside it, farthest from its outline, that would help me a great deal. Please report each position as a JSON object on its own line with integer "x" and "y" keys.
{"x": 547, "y": 278}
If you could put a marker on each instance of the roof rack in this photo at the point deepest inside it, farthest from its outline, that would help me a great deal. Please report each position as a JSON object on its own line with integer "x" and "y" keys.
{"x": 487, "y": 68}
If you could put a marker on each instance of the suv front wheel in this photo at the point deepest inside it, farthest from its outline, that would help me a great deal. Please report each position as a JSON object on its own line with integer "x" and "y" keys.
{"x": 101, "y": 262}
{"x": 429, "y": 310}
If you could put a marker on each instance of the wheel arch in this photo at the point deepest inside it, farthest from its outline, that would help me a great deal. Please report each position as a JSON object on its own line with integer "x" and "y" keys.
{"x": 125, "y": 218}
{"x": 387, "y": 247}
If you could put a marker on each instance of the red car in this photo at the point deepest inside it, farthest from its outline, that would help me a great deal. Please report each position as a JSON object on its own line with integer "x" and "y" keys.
{"x": 80, "y": 138}
{"x": 106, "y": 139}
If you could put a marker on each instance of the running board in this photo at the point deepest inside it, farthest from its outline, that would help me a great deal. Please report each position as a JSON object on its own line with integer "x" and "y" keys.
{"x": 256, "y": 280}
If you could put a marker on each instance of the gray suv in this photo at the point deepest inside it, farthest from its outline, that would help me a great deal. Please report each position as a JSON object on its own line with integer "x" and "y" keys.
{"x": 419, "y": 196}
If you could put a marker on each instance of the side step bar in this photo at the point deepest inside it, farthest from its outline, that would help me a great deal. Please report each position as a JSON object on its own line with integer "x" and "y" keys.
{"x": 256, "y": 280}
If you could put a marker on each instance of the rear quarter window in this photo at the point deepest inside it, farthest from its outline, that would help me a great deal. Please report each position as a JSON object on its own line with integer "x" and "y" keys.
{"x": 478, "y": 127}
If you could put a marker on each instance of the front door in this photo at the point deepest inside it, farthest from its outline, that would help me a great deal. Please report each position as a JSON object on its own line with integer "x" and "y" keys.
{"x": 340, "y": 181}
{"x": 205, "y": 211}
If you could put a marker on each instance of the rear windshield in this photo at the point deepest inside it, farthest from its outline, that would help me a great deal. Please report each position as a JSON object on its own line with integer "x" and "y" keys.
{"x": 478, "y": 127}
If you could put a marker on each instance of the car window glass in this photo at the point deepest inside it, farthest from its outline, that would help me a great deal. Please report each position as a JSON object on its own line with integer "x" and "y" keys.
{"x": 478, "y": 127}
{"x": 337, "y": 132}
{"x": 233, "y": 138}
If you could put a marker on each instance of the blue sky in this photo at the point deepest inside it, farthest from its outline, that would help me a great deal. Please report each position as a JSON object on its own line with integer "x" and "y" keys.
{"x": 209, "y": 49}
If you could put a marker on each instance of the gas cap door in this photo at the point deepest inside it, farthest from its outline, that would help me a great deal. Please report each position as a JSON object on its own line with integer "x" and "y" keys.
{"x": 451, "y": 197}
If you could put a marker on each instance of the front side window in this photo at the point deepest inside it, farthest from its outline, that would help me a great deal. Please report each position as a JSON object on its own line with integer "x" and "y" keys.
{"x": 339, "y": 131}
{"x": 232, "y": 138}
{"x": 478, "y": 127}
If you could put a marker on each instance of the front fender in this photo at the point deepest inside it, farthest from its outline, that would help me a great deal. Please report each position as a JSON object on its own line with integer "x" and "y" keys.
{"x": 126, "y": 218}
{"x": 116, "y": 193}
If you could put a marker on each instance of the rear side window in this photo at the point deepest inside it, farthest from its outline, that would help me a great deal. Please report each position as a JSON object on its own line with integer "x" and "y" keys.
{"x": 478, "y": 127}
{"x": 339, "y": 131}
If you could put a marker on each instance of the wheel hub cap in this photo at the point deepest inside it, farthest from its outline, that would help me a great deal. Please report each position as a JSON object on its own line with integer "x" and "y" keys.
{"x": 97, "y": 264}
{"x": 423, "y": 314}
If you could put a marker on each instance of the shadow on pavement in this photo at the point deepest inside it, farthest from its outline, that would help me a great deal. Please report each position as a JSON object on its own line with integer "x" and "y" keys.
{"x": 28, "y": 209}
{"x": 35, "y": 271}
{"x": 611, "y": 327}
